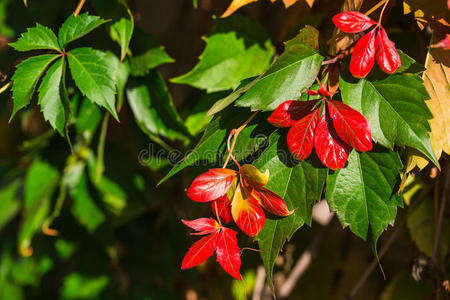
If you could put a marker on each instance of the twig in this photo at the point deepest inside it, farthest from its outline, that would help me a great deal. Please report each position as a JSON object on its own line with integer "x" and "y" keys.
{"x": 382, "y": 12}
{"x": 303, "y": 262}
{"x": 5, "y": 87}
{"x": 260, "y": 283}
{"x": 79, "y": 7}
{"x": 434, "y": 257}
{"x": 235, "y": 133}
{"x": 375, "y": 7}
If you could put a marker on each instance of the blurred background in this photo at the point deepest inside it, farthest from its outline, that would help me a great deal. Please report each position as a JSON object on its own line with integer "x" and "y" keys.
{"x": 121, "y": 238}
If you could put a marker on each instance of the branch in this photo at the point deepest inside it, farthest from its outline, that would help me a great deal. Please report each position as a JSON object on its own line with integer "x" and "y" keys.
{"x": 79, "y": 7}
{"x": 260, "y": 283}
{"x": 434, "y": 257}
{"x": 303, "y": 262}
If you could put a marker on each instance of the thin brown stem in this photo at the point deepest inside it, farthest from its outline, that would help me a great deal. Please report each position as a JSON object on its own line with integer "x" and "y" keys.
{"x": 375, "y": 7}
{"x": 235, "y": 133}
{"x": 217, "y": 213}
{"x": 382, "y": 12}
{"x": 79, "y": 7}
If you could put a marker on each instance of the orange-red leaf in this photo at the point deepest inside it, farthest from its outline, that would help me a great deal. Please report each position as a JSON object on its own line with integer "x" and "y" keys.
{"x": 387, "y": 56}
{"x": 300, "y": 138}
{"x": 246, "y": 212}
{"x": 227, "y": 252}
{"x": 200, "y": 251}
{"x": 272, "y": 202}
{"x": 352, "y": 21}
{"x": 330, "y": 149}
{"x": 363, "y": 56}
{"x": 289, "y": 112}
{"x": 204, "y": 225}
{"x": 211, "y": 185}
{"x": 350, "y": 125}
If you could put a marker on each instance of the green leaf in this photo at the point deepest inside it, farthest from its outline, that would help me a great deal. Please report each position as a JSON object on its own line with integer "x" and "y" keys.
{"x": 197, "y": 119}
{"x": 50, "y": 97}
{"x": 77, "y": 286}
{"x": 94, "y": 77}
{"x": 9, "y": 203}
{"x": 153, "y": 109}
{"x": 121, "y": 32}
{"x": 88, "y": 119}
{"x": 291, "y": 74}
{"x": 147, "y": 53}
{"x": 40, "y": 182}
{"x": 77, "y": 27}
{"x": 211, "y": 147}
{"x": 421, "y": 225}
{"x": 26, "y": 78}
{"x": 364, "y": 195}
{"x": 395, "y": 109}
{"x": 237, "y": 48}
{"x": 37, "y": 38}
{"x": 84, "y": 208}
{"x": 121, "y": 73}
{"x": 300, "y": 184}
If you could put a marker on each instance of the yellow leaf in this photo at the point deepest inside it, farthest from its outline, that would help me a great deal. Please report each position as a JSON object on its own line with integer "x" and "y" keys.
{"x": 235, "y": 5}
{"x": 437, "y": 81}
{"x": 253, "y": 177}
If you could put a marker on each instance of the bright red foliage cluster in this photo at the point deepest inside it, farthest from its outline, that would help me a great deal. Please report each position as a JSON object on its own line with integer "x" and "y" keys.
{"x": 373, "y": 45}
{"x": 329, "y": 126}
{"x": 231, "y": 199}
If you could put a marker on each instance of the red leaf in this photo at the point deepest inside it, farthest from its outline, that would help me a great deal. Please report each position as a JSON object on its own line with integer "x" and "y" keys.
{"x": 387, "y": 56}
{"x": 246, "y": 212}
{"x": 312, "y": 93}
{"x": 272, "y": 202}
{"x": 330, "y": 149}
{"x": 211, "y": 185}
{"x": 227, "y": 252}
{"x": 204, "y": 225}
{"x": 363, "y": 56}
{"x": 352, "y": 21}
{"x": 224, "y": 208}
{"x": 289, "y": 112}
{"x": 350, "y": 125}
{"x": 200, "y": 251}
{"x": 300, "y": 138}
{"x": 323, "y": 91}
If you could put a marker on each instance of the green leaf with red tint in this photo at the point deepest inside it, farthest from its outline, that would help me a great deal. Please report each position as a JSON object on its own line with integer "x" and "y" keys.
{"x": 227, "y": 252}
{"x": 300, "y": 138}
{"x": 350, "y": 125}
{"x": 289, "y": 112}
{"x": 211, "y": 185}
{"x": 330, "y": 149}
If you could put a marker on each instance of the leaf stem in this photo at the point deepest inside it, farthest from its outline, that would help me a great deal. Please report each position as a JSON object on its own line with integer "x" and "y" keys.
{"x": 79, "y": 7}
{"x": 5, "y": 87}
{"x": 382, "y": 12}
{"x": 100, "y": 165}
{"x": 375, "y": 7}
{"x": 235, "y": 133}
{"x": 217, "y": 214}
